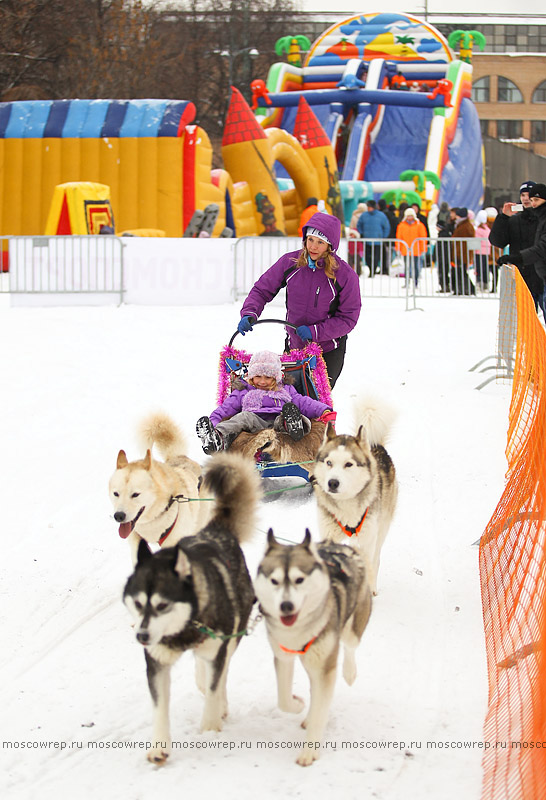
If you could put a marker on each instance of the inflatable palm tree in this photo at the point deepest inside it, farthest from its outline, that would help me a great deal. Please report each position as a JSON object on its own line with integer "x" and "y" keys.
{"x": 466, "y": 41}
{"x": 419, "y": 177}
{"x": 398, "y": 196}
{"x": 293, "y": 46}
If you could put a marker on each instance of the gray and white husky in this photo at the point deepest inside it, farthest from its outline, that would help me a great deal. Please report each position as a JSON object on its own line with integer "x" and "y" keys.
{"x": 197, "y": 596}
{"x": 355, "y": 486}
{"x": 313, "y": 598}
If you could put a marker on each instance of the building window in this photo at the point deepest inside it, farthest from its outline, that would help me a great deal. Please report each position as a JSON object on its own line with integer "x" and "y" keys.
{"x": 538, "y": 130}
{"x": 480, "y": 90}
{"x": 484, "y": 127}
{"x": 539, "y": 95}
{"x": 509, "y": 128}
{"x": 508, "y": 92}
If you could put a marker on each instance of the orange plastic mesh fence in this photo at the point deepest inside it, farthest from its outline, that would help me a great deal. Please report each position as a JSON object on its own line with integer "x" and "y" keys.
{"x": 513, "y": 582}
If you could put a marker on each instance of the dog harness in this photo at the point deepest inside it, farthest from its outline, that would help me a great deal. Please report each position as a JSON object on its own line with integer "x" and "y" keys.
{"x": 168, "y": 531}
{"x": 347, "y": 530}
{"x": 303, "y": 650}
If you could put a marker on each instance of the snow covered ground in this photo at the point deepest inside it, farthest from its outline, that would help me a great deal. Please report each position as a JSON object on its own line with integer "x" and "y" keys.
{"x": 75, "y": 711}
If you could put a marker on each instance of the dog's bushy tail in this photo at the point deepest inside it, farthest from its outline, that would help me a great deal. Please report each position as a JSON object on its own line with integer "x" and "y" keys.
{"x": 376, "y": 416}
{"x": 159, "y": 429}
{"x": 234, "y": 481}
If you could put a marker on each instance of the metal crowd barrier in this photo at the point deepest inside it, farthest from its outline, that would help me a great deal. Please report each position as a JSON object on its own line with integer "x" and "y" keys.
{"x": 446, "y": 268}
{"x": 504, "y": 359}
{"x": 61, "y": 265}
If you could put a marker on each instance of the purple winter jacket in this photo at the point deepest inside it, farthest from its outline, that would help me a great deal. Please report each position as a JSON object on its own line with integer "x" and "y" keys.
{"x": 330, "y": 307}
{"x": 270, "y": 406}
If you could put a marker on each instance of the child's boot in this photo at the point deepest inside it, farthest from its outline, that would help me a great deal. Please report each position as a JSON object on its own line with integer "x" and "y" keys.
{"x": 292, "y": 421}
{"x": 211, "y": 439}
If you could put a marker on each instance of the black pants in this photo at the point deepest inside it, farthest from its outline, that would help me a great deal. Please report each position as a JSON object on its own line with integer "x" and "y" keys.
{"x": 373, "y": 251}
{"x": 334, "y": 360}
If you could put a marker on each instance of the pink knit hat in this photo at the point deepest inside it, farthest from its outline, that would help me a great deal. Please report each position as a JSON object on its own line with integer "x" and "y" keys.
{"x": 265, "y": 363}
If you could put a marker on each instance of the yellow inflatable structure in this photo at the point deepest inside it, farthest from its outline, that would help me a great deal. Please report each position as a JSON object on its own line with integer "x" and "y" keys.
{"x": 73, "y": 166}
{"x": 79, "y": 208}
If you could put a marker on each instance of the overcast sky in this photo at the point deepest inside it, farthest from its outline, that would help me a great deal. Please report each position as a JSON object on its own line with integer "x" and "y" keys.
{"x": 537, "y": 7}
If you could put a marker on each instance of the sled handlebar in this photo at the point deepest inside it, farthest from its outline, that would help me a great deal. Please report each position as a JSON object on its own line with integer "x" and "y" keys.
{"x": 261, "y": 322}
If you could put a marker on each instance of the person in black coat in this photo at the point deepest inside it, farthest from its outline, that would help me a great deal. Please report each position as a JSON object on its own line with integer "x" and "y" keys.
{"x": 388, "y": 247}
{"x": 517, "y": 230}
{"x": 536, "y": 254}
{"x": 441, "y": 253}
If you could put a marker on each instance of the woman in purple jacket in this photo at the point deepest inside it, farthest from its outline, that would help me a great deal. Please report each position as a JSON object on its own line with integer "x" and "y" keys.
{"x": 322, "y": 293}
{"x": 264, "y": 401}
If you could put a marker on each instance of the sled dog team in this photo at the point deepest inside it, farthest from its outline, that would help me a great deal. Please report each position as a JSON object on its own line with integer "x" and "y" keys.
{"x": 195, "y": 592}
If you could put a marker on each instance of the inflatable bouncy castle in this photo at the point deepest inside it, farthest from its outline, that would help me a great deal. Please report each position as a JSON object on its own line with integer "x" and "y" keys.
{"x": 392, "y": 99}
{"x": 156, "y": 163}
{"x": 379, "y": 104}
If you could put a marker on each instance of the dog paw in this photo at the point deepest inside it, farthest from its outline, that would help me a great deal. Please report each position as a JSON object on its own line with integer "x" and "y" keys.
{"x": 349, "y": 670}
{"x": 307, "y": 756}
{"x": 212, "y": 723}
{"x": 157, "y": 756}
{"x": 293, "y": 706}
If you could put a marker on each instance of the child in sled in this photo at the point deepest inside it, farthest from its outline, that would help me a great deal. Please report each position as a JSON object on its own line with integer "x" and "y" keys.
{"x": 264, "y": 401}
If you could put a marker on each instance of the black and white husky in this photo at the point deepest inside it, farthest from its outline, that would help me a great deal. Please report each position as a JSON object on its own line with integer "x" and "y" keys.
{"x": 313, "y": 598}
{"x": 355, "y": 485}
{"x": 197, "y": 595}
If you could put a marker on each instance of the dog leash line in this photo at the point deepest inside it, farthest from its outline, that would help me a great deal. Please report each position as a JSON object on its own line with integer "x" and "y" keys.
{"x": 224, "y": 637}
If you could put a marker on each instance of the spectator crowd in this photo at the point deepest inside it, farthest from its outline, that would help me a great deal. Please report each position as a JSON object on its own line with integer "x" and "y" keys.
{"x": 466, "y": 248}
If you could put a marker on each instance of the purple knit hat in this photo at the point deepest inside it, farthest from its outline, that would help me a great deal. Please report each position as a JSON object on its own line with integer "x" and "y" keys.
{"x": 265, "y": 363}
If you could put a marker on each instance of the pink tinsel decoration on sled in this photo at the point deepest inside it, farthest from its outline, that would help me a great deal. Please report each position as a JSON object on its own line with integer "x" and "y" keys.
{"x": 319, "y": 374}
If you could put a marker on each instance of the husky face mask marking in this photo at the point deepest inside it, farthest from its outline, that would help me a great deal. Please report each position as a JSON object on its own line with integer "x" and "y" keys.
{"x": 342, "y": 470}
{"x": 290, "y": 588}
{"x": 159, "y": 600}
{"x": 288, "y": 593}
{"x": 157, "y": 617}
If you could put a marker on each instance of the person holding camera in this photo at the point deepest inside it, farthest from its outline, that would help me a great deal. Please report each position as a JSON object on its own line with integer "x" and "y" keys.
{"x": 515, "y": 228}
{"x": 536, "y": 254}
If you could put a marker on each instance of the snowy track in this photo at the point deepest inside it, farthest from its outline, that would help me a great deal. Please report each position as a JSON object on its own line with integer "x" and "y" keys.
{"x": 75, "y": 382}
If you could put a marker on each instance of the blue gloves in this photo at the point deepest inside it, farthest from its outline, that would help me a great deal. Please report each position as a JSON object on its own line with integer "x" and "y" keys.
{"x": 304, "y": 332}
{"x": 245, "y": 325}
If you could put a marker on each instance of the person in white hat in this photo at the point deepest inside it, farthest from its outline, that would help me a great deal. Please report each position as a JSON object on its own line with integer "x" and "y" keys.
{"x": 412, "y": 244}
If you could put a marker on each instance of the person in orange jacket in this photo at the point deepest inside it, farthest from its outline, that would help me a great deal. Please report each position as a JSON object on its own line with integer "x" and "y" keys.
{"x": 412, "y": 244}
{"x": 310, "y": 209}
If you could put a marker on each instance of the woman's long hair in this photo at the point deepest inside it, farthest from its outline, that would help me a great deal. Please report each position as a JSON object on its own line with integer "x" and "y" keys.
{"x": 327, "y": 262}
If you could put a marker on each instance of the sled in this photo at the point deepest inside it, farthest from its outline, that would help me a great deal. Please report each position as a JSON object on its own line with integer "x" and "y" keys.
{"x": 274, "y": 452}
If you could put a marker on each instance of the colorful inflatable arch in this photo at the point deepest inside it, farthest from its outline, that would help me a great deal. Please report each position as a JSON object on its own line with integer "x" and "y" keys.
{"x": 390, "y": 97}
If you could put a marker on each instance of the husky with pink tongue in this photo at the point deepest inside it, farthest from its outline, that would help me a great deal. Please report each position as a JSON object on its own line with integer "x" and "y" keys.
{"x": 313, "y": 598}
{"x": 150, "y": 497}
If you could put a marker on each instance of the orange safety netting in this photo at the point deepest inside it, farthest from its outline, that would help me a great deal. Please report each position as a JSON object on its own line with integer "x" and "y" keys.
{"x": 513, "y": 582}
